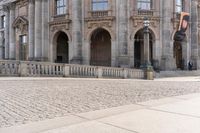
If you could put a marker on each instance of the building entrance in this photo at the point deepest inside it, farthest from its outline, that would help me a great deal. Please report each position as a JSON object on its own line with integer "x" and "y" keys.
{"x": 100, "y": 48}
{"x": 62, "y": 49}
{"x": 178, "y": 54}
{"x": 139, "y": 48}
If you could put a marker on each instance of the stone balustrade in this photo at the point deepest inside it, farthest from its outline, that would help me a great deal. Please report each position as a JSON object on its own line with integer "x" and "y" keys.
{"x": 47, "y": 69}
{"x": 99, "y": 13}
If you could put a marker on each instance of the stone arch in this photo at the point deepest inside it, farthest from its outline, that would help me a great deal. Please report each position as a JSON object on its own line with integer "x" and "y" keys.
{"x": 152, "y": 30}
{"x": 105, "y": 28}
{"x": 100, "y": 48}
{"x": 180, "y": 50}
{"x": 138, "y": 46}
{"x": 57, "y": 57}
{"x": 56, "y": 32}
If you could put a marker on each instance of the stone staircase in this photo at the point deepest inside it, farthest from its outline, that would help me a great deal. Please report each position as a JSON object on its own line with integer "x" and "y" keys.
{"x": 177, "y": 73}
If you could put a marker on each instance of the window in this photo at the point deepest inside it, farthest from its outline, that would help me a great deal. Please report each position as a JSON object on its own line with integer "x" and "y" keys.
{"x": 60, "y": 7}
{"x": 179, "y": 6}
{"x": 3, "y": 21}
{"x": 144, "y": 4}
{"x": 98, "y": 5}
{"x": 23, "y": 47}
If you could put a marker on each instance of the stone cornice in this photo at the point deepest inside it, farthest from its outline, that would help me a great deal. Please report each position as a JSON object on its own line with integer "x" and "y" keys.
{"x": 109, "y": 18}
{"x": 59, "y": 22}
{"x": 6, "y": 2}
{"x": 141, "y": 18}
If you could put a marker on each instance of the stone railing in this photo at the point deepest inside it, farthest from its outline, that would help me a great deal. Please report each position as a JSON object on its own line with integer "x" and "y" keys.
{"x": 47, "y": 69}
{"x": 146, "y": 13}
{"x": 99, "y": 13}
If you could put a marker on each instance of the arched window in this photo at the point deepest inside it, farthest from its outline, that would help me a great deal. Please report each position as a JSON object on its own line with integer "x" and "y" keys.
{"x": 144, "y": 4}
{"x": 99, "y": 5}
{"x": 179, "y": 6}
{"x": 60, "y": 7}
{"x": 23, "y": 47}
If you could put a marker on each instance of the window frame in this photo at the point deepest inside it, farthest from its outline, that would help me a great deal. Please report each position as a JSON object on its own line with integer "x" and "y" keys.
{"x": 60, "y": 7}
{"x": 145, "y": 2}
{"x": 3, "y": 21}
{"x": 23, "y": 46}
{"x": 179, "y": 7}
{"x": 99, "y": 5}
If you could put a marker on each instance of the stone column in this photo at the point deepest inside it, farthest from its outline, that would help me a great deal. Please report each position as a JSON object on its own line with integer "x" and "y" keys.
{"x": 76, "y": 31}
{"x": 7, "y": 15}
{"x": 194, "y": 34}
{"x": 167, "y": 61}
{"x": 123, "y": 32}
{"x": 45, "y": 32}
{"x": 31, "y": 18}
{"x": 1, "y": 45}
{"x": 146, "y": 47}
{"x": 38, "y": 30}
{"x": 12, "y": 46}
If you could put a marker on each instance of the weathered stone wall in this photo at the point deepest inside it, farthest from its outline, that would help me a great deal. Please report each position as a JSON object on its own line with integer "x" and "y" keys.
{"x": 122, "y": 20}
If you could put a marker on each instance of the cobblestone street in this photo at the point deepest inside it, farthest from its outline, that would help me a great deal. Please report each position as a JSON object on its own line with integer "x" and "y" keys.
{"x": 24, "y": 100}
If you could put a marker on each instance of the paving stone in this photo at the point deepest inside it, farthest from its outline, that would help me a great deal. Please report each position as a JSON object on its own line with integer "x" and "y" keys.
{"x": 25, "y": 100}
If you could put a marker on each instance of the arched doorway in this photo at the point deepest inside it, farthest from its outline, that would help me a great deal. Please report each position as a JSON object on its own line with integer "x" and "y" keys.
{"x": 139, "y": 48}
{"x": 62, "y": 49}
{"x": 100, "y": 48}
{"x": 178, "y": 54}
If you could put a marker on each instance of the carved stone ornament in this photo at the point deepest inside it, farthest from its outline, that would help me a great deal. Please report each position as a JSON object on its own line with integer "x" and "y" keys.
{"x": 92, "y": 25}
{"x": 60, "y": 25}
{"x": 21, "y": 24}
{"x": 138, "y": 21}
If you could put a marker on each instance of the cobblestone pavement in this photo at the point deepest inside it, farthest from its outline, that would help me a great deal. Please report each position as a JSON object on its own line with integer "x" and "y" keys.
{"x": 24, "y": 100}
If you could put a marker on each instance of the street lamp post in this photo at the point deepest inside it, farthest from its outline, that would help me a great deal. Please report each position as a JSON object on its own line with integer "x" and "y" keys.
{"x": 147, "y": 63}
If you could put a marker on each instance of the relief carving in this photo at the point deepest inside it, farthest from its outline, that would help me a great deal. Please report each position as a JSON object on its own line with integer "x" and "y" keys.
{"x": 154, "y": 22}
{"x": 99, "y": 24}
{"x": 21, "y": 24}
{"x": 59, "y": 27}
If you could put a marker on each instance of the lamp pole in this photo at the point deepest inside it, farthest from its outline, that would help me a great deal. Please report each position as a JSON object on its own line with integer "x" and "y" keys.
{"x": 147, "y": 64}
{"x": 146, "y": 43}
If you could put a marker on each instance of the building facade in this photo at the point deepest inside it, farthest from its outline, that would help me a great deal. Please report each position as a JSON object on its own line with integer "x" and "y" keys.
{"x": 99, "y": 32}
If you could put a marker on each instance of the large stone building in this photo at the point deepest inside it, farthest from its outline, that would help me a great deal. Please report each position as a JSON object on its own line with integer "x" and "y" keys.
{"x": 99, "y": 32}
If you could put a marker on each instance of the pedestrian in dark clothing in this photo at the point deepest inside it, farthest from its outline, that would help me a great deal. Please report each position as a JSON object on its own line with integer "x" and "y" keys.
{"x": 190, "y": 65}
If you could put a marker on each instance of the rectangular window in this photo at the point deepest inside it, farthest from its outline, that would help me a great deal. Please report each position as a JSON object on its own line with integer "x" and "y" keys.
{"x": 144, "y": 4}
{"x": 179, "y": 6}
{"x": 60, "y": 7}
{"x": 23, "y": 47}
{"x": 3, "y": 21}
{"x": 99, "y": 5}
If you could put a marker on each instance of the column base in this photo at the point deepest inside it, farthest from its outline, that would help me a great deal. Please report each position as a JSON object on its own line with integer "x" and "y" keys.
{"x": 40, "y": 59}
{"x": 123, "y": 61}
{"x": 168, "y": 63}
{"x": 196, "y": 62}
{"x": 76, "y": 60}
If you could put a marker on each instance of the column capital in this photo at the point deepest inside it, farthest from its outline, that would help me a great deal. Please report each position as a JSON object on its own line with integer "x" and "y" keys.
{"x": 5, "y": 8}
{"x": 31, "y": 1}
{"x": 12, "y": 6}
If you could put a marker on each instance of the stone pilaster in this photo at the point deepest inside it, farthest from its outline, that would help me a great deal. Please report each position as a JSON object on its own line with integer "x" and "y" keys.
{"x": 1, "y": 46}
{"x": 76, "y": 31}
{"x": 31, "y": 18}
{"x": 38, "y": 31}
{"x": 12, "y": 46}
{"x": 167, "y": 61}
{"x": 45, "y": 32}
{"x": 146, "y": 47}
{"x": 194, "y": 34}
{"x": 122, "y": 35}
{"x": 7, "y": 15}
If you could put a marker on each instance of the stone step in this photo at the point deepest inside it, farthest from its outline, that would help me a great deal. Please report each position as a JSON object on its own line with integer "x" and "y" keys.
{"x": 177, "y": 73}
